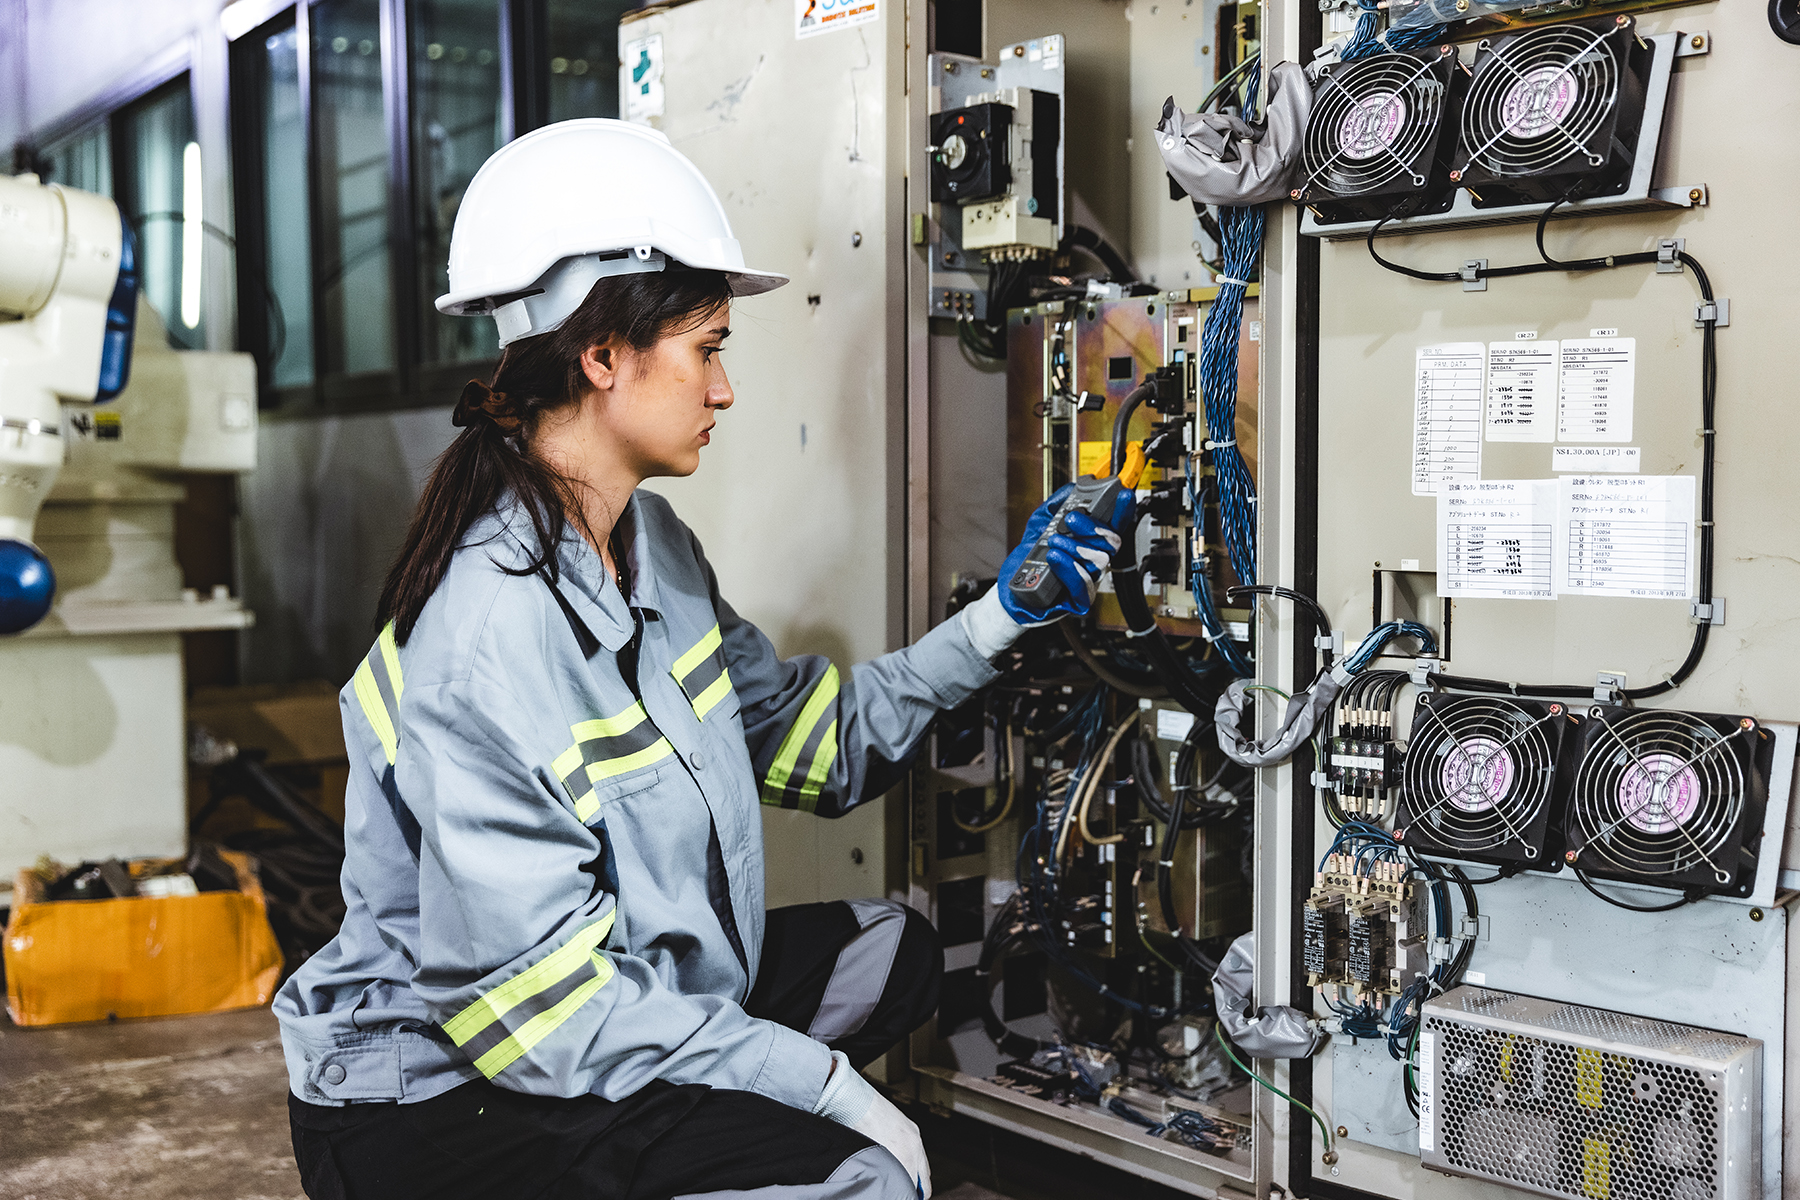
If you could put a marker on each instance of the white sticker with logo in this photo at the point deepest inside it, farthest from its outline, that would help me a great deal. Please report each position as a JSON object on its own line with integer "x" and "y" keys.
{"x": 1427, "y": 1081}
{"x": 813, "y": 17}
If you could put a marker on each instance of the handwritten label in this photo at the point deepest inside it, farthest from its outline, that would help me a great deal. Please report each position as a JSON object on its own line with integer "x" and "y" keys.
{"x": 1521, "y": 391}
{"x": 1497, "y": 539}
{"x": 1611, "y": 460}
{"x": 1447, "y": 406}
{"x": 1630, "y": 536}
{"x": 1597, "y": 383}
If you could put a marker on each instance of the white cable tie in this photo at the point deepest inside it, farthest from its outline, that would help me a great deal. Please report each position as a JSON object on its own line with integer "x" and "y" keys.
{"x": 1243, "y": 283}
{"x": 1212, "y": 445}
{"x": 1137, "y": 633}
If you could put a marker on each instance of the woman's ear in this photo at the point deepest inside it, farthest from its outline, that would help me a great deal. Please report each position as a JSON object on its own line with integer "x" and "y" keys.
{"x": 600, "y": 363}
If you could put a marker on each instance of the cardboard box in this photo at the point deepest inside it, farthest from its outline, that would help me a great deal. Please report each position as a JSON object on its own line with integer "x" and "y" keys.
{"x": 90, "y": 960}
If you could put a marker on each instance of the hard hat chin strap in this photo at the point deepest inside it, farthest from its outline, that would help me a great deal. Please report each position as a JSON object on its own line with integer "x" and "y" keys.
{"x": 559, "y": 291}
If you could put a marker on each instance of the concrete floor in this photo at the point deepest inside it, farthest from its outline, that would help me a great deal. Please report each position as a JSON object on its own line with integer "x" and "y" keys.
{"x": 188, "y": 1107}
{"x": 195, "y": 1108}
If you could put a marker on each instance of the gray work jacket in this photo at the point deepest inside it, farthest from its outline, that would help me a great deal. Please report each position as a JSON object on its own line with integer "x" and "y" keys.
{"x": 555, "y": 881}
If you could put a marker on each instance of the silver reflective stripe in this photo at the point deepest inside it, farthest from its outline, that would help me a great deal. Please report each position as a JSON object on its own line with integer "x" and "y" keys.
{"x": 862, "y": 970}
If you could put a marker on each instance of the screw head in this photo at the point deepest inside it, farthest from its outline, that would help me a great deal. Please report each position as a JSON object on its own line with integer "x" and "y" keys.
{"x": 1698, "y": 42}
{"x": 1756, "y": 914}
{"x": 1746, "y": 723}
{"x": 1343, "y": 1131}
{"x": 1569, "y": 857}
{"x": 1294, "y": 195}
{"x": 1018, "y": 51}
{"x": 1621, "y": 20}
{"x": 1556, "y": 710}
{"x": 856, "y": 239}
{"x": 1456, "y": 177}
{"x": 1695, "y": 194}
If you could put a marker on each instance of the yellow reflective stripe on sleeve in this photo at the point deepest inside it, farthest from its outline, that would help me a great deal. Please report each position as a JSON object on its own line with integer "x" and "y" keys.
{"x": 606, "y": 769}
{"x": 586, "y": 805}
{"x": 782, "y": 769}
{"x": 823, "y": 757}
{"x": 707, "y": 700}
{"x": 390, "y": 654}
{"x": 693, "y": 658}
{"x": 605, "y": 727}
{"x": 368, "y": 694}
{"x": 543, "y": 1024}
{"x": 547, "y": 971}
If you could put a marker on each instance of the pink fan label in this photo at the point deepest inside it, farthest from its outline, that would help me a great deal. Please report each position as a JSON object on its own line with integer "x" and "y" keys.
{"x": 1658, "y": 793}
{"x": 1475, "y": 774}
{"x": 1537, "y": 103}
{"x": 1372, "y": 125}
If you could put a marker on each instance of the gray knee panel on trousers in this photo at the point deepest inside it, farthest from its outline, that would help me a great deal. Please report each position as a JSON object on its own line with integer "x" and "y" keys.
{"x": 870, "y": 1174}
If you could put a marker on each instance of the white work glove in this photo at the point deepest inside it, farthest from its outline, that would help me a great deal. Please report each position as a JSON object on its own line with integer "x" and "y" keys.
{"x": 853, "y": 1102}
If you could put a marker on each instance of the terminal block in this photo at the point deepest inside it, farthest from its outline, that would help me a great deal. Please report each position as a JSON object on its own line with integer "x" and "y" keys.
{"x": 1325, "y": 935}
{"x": 1364, "y": 766}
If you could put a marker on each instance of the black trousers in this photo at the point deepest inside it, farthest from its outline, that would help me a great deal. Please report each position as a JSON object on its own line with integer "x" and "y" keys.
{"x": 857, "y": 976}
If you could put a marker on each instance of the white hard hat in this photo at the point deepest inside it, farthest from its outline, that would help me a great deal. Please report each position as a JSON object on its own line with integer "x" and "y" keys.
{"x": 574, "y": 202}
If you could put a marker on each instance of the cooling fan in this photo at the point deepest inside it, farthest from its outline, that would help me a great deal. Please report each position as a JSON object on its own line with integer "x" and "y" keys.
{"x": 1553, "y": 113}
{"x": 1379, "y": 138}
{"x": 1480, "y": 779}
{"x": 1672, "y": 799}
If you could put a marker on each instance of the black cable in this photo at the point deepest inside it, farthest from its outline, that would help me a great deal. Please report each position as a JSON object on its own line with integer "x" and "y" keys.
{"x": 1121, "y": 437}
{"x": 1091, "y": 241}
{"x": 1312, "y": 607}
{"x": 1709, "y": 384}
{"x": 1687, "y": 898}
{"x": 1123, "y": 682}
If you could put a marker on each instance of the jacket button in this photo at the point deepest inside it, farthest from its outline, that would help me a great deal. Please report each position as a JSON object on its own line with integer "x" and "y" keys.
{"x": 698, "y": 760}
{"x": 334, "y": 1074}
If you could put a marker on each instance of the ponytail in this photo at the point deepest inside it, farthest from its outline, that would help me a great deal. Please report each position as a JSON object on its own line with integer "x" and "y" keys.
{"x": 492, "y": 457}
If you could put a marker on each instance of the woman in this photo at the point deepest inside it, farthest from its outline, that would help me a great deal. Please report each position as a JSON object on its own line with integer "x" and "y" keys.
{"x": 556, "y": 976}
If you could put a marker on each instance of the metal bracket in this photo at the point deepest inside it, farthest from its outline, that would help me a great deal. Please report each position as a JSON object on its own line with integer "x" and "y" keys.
{"x": 1608, "y": 685}
{"x": 1682, "y": 195}
{"x": 1716, "y": 311}
{"x": 1708, "y": 614}
{"x": 1668, "y": 255}
{"x": 1687, "y": 45}
{"x": 1472, "y": 279}
{"x": 1423, "y": 669}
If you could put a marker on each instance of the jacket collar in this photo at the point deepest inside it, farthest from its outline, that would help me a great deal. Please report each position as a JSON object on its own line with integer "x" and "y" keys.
{"x": 582, "y": 577}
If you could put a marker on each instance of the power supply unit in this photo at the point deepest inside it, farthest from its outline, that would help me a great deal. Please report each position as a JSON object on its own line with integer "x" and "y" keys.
{"x": 1565, "y": 1100}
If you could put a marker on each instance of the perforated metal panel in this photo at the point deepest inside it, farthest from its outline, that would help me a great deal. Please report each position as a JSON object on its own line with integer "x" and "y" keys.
{"x": 1565, "y": 1100}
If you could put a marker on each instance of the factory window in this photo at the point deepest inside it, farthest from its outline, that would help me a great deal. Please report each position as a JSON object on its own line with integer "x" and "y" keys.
{"x": 357, "y": 127}
{"x": 145, "y": 156}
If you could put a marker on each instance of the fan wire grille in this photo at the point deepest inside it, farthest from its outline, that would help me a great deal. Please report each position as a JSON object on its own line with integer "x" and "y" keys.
{"x": 1659, "y": 793}
{"x": 1479, "y": 773}
{"x": 1540, "y": 98}
{"x": 1372, "y": 122}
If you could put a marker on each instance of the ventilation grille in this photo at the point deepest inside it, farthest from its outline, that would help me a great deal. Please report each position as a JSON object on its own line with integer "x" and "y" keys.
{"x": 1565, "y": 1100}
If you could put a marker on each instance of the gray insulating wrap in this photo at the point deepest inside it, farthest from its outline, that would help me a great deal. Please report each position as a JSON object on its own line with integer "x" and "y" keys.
{"x": 1264, "y": 1032}
{"x": 1297, "y": 725}
{"x": 1219, "y": 159}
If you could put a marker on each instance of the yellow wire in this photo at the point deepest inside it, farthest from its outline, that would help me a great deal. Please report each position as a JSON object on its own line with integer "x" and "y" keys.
{"x": 1012, "y": 791}
{"x": 1091, "y": 784}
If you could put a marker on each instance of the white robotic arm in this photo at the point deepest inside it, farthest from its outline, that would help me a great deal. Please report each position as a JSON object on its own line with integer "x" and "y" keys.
{"x": 68, "y": 298}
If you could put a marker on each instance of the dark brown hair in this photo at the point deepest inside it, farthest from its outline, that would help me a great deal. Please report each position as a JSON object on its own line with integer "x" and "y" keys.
{"x": 492, "y": 457}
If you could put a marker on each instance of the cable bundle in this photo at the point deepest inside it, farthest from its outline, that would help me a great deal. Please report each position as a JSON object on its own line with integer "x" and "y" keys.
{"x": 1240, "y": 244}
{"x": 1367, "y": 40}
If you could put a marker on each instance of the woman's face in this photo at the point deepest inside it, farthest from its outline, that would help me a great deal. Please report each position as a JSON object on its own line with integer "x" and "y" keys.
{"x": 657, "y": 407}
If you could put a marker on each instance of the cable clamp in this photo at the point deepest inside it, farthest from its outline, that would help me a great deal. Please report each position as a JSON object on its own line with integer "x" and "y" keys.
{"x": 1170, "y": 864}
{"x": 1473, "y": 275}
{"x": 1333, "y": 641}
{"x": 1716, "y": 313}
{"x": 1668, "y": 255}
{"x": 1243, "y": 283}
{"x": 1704, "y": 524}
{"x": 1710, "y": 613}
{"x": 1423, "y": 669}
{"x": 1341, "y": 672}
{"x": 1321, "y": 780}
{"x": 1468, "y": 929}
{"x": 1706, "y": 433}
{"x": 1608, "y": 685}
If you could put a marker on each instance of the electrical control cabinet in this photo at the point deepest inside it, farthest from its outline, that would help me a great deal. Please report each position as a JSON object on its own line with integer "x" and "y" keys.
{"x": 1467, "y": 817}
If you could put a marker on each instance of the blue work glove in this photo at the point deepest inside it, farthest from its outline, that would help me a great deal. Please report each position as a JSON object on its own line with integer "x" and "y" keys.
{"x": 1078, "y": 558}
